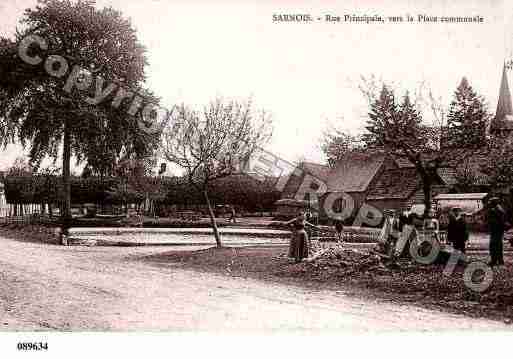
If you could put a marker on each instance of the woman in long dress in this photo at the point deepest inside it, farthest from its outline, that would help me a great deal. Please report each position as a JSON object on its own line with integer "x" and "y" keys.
{"x": 299, "y": 243}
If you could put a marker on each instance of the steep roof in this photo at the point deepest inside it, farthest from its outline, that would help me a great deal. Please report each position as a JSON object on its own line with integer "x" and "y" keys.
{"x": 355, "y": 171}
{"x": 294, "y": 181}
{"x": 403, "y": 162}
{"x": 504, "y": 114}
{"x": 397, "y": 183}
{"x": 448, "y": 175}
{"x": 317, "y": 170}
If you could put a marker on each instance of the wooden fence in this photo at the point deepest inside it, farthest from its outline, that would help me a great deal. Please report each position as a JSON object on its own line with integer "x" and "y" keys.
{"x": 357, "y": 234}
{"x": 8, "y": 210}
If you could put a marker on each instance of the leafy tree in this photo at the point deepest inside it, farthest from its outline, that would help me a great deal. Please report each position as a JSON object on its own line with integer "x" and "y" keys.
{"x": 336, "y": 143}
{"x": 398, "y": 129}
{"x": 467, "y": 118}
{"x": 213, "y": 144}
{"x": 47, "y": 112}
{"x": 241, "y": 190}
{"x": 383, "y": 115}
{"x": 393, "y": 126}
{"x": 499, "y": 167}
{"x": 245, "y": 191}
{"x": 136, "y": 179}
{"x": 465, "y": 178}
{"x": 19, "y": 170}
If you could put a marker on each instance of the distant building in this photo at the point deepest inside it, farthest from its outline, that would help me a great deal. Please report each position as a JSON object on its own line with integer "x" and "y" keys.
{"x": 351, "y": 175}
{"x": 385, "y": 182}
{"x": 472, "y": 204}
{"x": 377, "y": 179}
{"x": 400, "y": 189}
{"x": 374, "y": 178}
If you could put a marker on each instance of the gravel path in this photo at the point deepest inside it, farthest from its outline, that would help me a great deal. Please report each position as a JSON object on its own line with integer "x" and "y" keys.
{"x": 45, "y": 287}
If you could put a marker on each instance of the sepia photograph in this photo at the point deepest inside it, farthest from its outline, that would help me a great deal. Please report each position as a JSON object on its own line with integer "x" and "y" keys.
{"x": 293, "y": 173}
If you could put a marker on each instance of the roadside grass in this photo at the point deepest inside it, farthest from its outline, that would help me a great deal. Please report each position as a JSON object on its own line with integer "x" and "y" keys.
{"x": 30, "y": 233}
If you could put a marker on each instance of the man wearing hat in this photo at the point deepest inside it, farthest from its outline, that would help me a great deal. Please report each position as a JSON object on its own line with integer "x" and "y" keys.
{"x": 497, "y": 225}
{"x": 457, "y": 232}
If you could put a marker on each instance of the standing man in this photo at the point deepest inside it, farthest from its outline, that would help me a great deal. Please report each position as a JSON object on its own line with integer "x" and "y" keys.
{"x": 457, "y": 232}
{"x": 497, "y": 226}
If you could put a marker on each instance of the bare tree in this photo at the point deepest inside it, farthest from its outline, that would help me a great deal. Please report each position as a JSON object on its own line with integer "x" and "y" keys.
{"x": 214, "y": 143}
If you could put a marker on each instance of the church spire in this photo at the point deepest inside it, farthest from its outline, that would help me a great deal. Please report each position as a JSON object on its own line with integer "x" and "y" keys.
{"x": 504, "y": 114}
{"x": 504, "y": 106}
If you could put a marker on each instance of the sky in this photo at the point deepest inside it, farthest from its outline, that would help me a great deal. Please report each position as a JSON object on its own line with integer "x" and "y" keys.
{"x": 307, "y": 74}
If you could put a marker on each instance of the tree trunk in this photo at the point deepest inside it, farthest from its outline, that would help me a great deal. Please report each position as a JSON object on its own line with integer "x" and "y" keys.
{"x": 212, "y": 219}
{"x": 426, "y": 188}
{"x": 66, "y": 171}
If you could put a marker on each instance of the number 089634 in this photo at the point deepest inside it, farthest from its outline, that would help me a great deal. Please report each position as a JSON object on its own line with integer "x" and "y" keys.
{"x": 32, "y": 346}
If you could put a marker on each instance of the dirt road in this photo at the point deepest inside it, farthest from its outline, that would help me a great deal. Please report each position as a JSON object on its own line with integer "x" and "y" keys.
{"x": 45, "y": 287}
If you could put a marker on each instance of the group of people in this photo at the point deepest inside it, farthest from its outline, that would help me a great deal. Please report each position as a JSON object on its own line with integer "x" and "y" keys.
{"x": 394, "y": 224}
{"x": 457, "y": 229}
{"x": 458, "y": 234}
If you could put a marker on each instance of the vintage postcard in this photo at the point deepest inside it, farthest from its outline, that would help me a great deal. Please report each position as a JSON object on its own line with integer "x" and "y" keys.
{"x": 295, "y": 173}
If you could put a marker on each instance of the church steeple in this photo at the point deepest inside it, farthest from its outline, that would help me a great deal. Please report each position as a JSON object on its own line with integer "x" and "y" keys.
{"x": 503, "y": 120}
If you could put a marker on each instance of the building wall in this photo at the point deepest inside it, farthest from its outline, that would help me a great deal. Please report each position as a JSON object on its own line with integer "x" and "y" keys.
{"x": 287, "y": 210}
{"x": 358, "y": 200}
{"x": 398, "y": 204}
{"x": 418, "y": 196}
